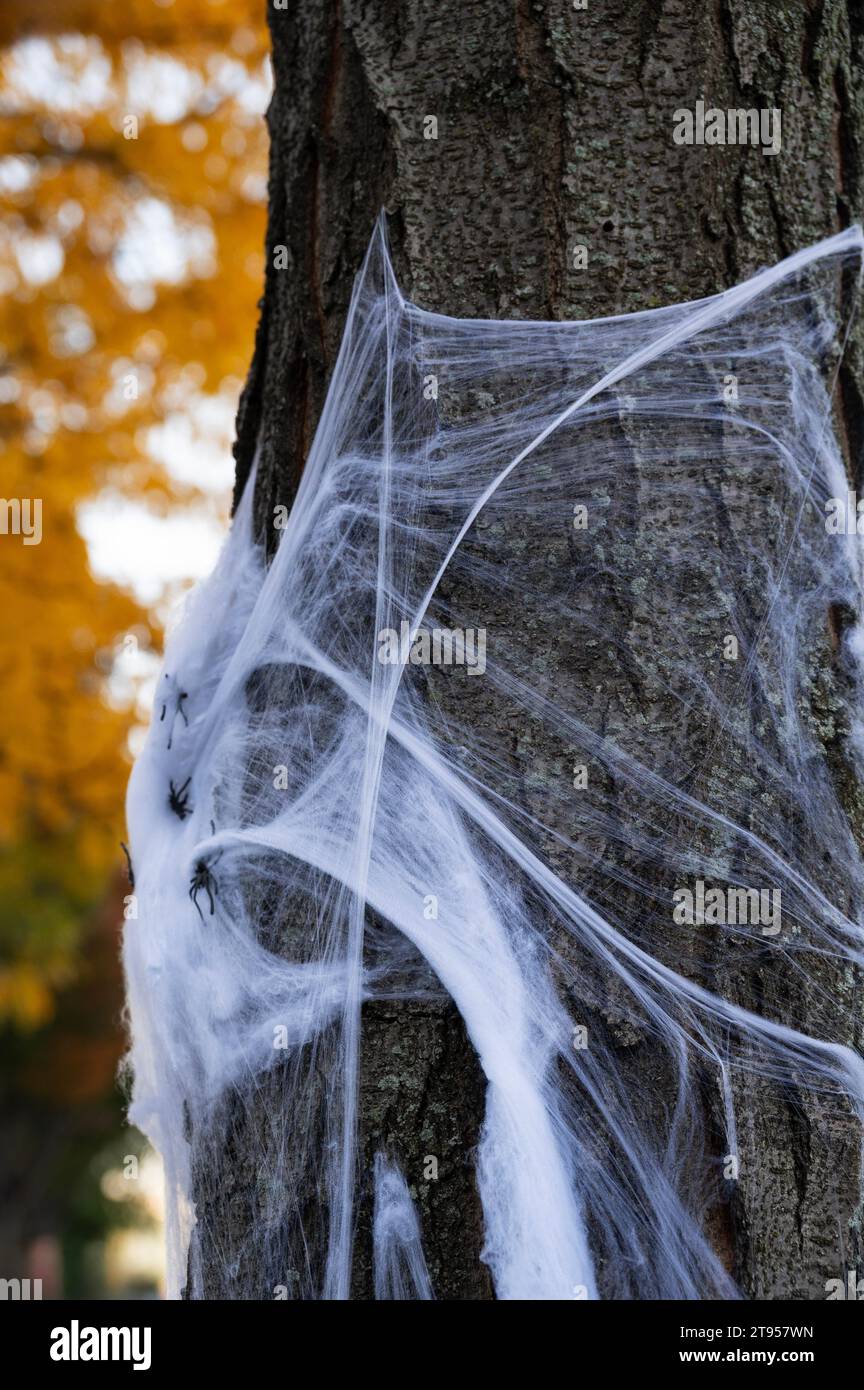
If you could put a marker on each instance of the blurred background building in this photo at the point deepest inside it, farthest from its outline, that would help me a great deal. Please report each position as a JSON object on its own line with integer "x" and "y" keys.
{"x": 133, "y": 168}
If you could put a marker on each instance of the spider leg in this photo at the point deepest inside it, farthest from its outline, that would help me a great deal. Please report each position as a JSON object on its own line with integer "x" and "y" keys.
{"x": 212, "y": 899}
{"x": 193, "y": 894}
{"x": 129, "y": 871}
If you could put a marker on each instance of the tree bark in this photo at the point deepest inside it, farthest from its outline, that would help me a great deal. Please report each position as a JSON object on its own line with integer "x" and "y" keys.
{"x": 555, "y": 129}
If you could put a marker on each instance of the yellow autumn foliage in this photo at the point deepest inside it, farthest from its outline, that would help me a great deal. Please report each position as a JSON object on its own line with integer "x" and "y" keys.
{"x": 132, "y": 206}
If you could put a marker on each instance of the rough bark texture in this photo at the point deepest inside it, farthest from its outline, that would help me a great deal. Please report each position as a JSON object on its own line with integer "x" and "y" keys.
{"x": 554, "y": 129}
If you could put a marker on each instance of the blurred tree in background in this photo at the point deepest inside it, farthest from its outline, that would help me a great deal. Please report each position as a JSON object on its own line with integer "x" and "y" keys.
{"x": 132, "y": 211}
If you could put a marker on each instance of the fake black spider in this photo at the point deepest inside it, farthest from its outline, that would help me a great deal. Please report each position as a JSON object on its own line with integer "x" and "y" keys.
{"x": 178, "y": 799}
{"x": 203, "y": 881}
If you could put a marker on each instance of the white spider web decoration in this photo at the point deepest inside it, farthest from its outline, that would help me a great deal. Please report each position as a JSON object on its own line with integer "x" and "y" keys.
{"x": 352, "y": 827}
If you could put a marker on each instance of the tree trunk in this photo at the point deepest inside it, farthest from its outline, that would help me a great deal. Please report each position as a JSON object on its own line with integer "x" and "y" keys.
{"x": 554, "y": 129}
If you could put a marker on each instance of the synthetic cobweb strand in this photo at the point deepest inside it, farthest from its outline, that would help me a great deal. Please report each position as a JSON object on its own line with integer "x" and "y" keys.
{"x": 313, "y": 826}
